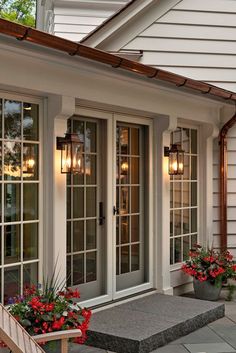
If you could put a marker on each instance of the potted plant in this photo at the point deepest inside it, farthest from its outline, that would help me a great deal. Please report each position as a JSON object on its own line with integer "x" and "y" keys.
{"x": 208, "y": 269}
{"x": 41, "y": 311}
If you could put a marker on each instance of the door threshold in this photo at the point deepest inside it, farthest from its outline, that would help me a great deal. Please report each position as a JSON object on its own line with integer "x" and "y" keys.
{"x": 125, "y": 299}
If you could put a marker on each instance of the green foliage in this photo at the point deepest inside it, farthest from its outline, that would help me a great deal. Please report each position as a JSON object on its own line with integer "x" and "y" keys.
{"x": 20, "y": 11}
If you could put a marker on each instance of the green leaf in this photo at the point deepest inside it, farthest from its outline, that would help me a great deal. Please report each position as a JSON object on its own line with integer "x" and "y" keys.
{"x": 25, "y": 323}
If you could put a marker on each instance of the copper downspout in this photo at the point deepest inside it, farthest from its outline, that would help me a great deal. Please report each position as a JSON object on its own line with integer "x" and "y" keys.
{"x": 223, "y": 181}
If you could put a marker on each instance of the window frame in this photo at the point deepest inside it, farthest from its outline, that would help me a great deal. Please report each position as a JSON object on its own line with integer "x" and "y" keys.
{"x": 177, "y": 265}
{"x": 33, "y": 100}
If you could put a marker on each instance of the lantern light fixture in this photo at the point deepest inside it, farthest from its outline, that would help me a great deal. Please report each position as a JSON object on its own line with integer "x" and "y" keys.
{"x": 176, "y": 159}
{"x": 71, "y": 149}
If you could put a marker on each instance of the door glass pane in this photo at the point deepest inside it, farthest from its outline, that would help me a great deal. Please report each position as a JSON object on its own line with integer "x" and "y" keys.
{"x": 30, "y": 241}
{"x": 11, "y": 244}
{"x": 124, "y": 170}
{"x": 12, "y": 121}
{"x": 78, "y": 269}
{"x": 30, "y": 201}
{"x": 91, "y": 266}
{"x": 124, "y": 230}
{"x": 91, "y": 234}
{"x": 135, "y": 199}
{"x": 91, "y": 202}
{"x": 30, "y": 122}
{"x": 12, "y": 160}
{"x": 11, "y": 282}
{"x": 135, "y": 257}
{"x": 78, "y": 236}
{"x": 124, "y": 259}
{"x": 78, "y": 202}
{"x": 185, "y": 194}
{"x": 124, "y": 200}
{"x": 68, "y": 271}
{"x": 12, "y": 202}
{"x": 135, "y": 228}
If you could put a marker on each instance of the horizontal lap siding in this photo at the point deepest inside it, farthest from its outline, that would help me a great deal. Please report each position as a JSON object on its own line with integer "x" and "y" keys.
{"x": 195, "y": 39}
{"x": 75, "y": 23}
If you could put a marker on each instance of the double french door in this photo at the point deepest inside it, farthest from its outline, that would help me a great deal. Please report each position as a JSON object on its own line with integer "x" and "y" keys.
{"x": 93, "y": 246}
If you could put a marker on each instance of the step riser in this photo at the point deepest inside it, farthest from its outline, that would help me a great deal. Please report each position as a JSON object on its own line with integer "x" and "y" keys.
{"x": 119, "y": 344}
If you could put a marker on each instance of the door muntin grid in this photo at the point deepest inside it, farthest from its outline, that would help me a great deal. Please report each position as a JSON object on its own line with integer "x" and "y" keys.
{"x": 184, "y": 198}
{"x": 129, "y": 188}
{"x": 19, "y": 212}
{"x": 82, "y": 209}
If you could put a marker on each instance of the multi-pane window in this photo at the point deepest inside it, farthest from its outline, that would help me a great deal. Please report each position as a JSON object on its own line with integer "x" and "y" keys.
{"x": 183, "y": 197}
{"x": 82, "y": 213}
{"x": 19, "y": 195}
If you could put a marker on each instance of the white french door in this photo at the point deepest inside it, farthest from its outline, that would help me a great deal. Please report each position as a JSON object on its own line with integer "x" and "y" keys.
{"x": 108, "y": 218}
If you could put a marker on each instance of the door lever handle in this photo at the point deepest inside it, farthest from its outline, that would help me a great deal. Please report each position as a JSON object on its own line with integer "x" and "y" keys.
{"x": 116, "y": 210}
{"x": 101, "y": 218}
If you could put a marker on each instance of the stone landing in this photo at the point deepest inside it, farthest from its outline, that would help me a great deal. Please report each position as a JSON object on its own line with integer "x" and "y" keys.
{"x": 142, "y": 325}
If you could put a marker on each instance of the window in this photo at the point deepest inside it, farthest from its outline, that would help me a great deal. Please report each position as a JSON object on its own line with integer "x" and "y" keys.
{"x": 19, "y": 192}
{"x": 183, "y": 198}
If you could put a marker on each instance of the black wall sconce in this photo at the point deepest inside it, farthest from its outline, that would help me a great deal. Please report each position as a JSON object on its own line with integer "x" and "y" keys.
{"x": 176, "y": 159}
{"x": 71, "y": 153}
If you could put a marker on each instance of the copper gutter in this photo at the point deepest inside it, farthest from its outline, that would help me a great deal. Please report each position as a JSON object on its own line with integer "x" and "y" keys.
{"x": 223, "y": 181}
{"x": 32, "y": 35}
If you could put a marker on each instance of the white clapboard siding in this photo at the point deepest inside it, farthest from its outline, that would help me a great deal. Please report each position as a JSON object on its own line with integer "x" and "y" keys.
{"x": 209, "y": 18}
{"x": 188, "y": 60}
{"x": 173, "y": 45}
{"x": 196, "y": 39}
{"x": 74, "y": 23}
{"x": 194, "y": 31}
{"x": 212, "y": 5}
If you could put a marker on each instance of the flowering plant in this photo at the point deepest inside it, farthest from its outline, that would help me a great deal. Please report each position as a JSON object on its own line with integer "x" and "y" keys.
{"x": 209, "y": 265}
{"x": 42, "y": 311}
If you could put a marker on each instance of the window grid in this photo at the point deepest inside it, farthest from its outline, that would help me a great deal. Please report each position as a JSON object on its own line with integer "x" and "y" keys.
{"x": 28, "y": 119}
{"x": 127, "y": 213}
{"x": 71, "y": 219}
{"x": 183, "y": 198}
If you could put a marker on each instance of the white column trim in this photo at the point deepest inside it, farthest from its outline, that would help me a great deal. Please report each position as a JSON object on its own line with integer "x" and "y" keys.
{"x": 60, "y": 108}
{"x": 163, "y": 126}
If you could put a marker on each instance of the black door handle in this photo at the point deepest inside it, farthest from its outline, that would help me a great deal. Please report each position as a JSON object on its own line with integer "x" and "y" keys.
{"x": 101, "y": 218}
{"x": 115, "y": 210}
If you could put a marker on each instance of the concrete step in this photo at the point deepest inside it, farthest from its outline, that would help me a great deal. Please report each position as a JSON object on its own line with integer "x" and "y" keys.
{"x": 142, "y": 325}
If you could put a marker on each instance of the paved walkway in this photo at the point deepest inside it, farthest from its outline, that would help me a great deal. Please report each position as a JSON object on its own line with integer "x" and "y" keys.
{"x": 217, "y": 337}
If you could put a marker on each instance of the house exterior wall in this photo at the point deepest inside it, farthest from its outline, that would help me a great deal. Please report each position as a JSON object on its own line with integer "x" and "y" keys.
{"x": 63, "y": 83}
{"x": 195, "y": 39}
{"x": 75, "y": 19}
